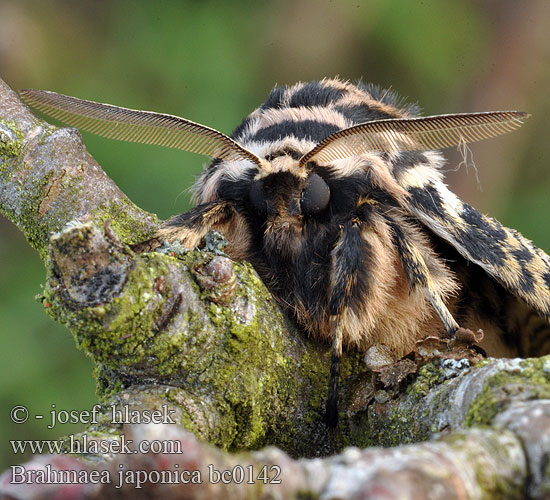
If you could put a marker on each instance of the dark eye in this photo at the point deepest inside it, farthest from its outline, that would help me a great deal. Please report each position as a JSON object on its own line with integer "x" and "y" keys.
{"x": 258, "y": 198}
{"x": 315, "y": 196}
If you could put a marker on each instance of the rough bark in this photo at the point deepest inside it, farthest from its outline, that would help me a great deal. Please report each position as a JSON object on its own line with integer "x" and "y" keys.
{"x": 198, "y": 334}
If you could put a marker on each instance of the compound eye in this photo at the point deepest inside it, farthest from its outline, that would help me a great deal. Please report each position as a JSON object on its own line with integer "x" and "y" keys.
{"x": 315, "y": 196}
{"x": 257, "y": 196}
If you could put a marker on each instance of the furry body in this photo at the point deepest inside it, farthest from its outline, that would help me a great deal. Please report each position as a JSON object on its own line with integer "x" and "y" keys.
{"x": 370, "y": 262}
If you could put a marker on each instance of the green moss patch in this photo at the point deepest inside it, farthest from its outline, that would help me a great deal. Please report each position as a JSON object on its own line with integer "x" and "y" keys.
{"x": 528, "y": 382}
{"x": 11, "y": 141}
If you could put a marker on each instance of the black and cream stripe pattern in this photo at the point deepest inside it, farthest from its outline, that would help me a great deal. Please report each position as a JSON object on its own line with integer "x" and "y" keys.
{"x": 294, "y": 119}
{"x": 313, "y": 111}
{"x": 306, "y": 114}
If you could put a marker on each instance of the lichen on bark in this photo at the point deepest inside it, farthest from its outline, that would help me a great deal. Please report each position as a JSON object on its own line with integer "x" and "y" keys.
{"x": 10, "y": 140}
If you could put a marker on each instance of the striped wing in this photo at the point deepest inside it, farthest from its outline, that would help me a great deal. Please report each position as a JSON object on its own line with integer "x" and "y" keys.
{"x": 510, "y": 258}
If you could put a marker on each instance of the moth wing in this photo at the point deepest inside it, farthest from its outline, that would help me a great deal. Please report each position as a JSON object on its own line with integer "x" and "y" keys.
{"x": 508, "y": 257}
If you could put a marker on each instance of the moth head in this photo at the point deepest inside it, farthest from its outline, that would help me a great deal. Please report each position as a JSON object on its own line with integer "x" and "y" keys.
{"x": 288, "y": 190}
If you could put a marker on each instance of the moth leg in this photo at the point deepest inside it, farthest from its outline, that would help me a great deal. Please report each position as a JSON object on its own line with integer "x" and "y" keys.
{"x": 346, "y": 264}
{"x": 450, "y": 324}
{"x": 419, "y": 275}
{"x": 190, "y": 227}
{"x": 331, "y": 415}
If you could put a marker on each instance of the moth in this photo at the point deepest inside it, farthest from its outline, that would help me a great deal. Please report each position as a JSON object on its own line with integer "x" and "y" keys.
{"x": 335, "y": 193}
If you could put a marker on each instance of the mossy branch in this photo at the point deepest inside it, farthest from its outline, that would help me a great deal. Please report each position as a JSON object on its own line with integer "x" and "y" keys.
{"x": 198, "y": 335}
{"x": 195, "y": 321}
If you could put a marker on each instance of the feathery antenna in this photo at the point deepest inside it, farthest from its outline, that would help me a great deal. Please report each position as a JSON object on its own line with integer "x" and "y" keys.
{"x": 148, "y": 127}
{"x": 413, "y": 134}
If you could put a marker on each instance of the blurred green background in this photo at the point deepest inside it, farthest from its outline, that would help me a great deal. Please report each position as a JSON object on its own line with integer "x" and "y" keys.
{"x": 215, "y": 61}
